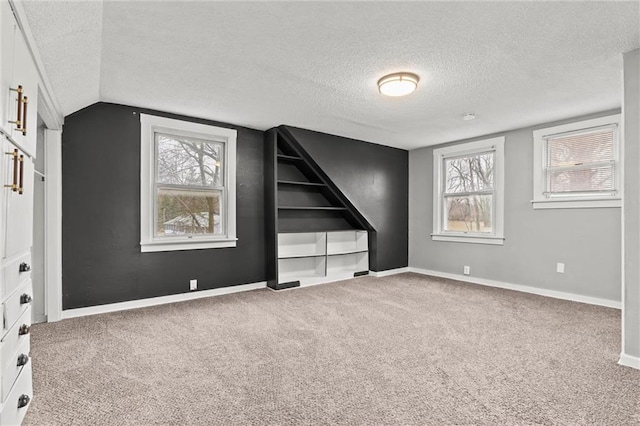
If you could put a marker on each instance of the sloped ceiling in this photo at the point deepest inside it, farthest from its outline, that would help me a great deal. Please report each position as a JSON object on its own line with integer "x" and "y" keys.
{"x": 315, "y": 64}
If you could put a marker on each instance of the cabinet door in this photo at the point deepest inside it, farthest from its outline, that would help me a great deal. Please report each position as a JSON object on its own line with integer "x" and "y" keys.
{"x": 5, "y": 179}
{"x": 8, "y": 28}
{"x": 19, "y": 208}
{"x": 25, "y": 76}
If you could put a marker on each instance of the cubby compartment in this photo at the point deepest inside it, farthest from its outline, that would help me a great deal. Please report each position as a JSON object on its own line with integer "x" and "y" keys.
{"x": 301, "y": 196}
{"x": 301, "y": 268}
{"x": 339, "y": 264}
{"x": 290, "y": 172}
{"x": 347, "y": 242}
{"x": 311, "y": 220}
{"x": 302, "y": 245}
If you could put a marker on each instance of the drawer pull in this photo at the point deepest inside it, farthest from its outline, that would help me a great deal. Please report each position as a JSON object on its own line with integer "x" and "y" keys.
{"x": 25, "y": 298}
{"x": 23, "y": 359}
{"x": 18, "y": 121}
{"x": 25, "y": 101}
{"x": 23, "y": 401}
{"x": 21, "y": 184}
{"x": 24, "y": 329}
{"x": 14, "y": 184}
{"x": 24, "y": 267}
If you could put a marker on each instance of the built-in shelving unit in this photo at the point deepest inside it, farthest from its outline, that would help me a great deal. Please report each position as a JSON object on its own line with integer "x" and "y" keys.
{"x": 314, "y": 231}
{"x": 313, "y": 257}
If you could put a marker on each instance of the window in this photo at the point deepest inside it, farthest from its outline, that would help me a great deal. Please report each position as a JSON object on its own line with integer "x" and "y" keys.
{"x": 468, "y": 193}
{"x": 577, "y": 165}
{"x": 188, "y": 174}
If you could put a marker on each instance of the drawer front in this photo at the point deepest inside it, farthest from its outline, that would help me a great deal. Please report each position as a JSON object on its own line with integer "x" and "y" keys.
{"x": 16, "y": 304}
{"x": 16, "y": 335}
{"x": 12, "y": 367}
{"x": 19, "y": 399}
{"x": 14, "y": 273}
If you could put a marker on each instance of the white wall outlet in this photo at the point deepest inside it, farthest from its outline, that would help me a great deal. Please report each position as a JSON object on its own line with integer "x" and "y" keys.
{"x": 560, "y": 268}
{"x": 193, "y": 284}
{"x": 467, "y": 270}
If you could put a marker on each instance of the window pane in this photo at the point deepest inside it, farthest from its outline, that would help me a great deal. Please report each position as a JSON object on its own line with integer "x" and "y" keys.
{"x": 583, "y": 148}
{"x": 469, "y": 214}
{"x": 582, "y": 180}
{"x": 469, "y": 174}
{"x": 188, "y": 161}
{"x": 182, "y": 212}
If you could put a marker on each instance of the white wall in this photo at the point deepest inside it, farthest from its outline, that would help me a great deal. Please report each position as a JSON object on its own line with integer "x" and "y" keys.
{"x": 631, "y": 305}
{"x": 587, "y": 241}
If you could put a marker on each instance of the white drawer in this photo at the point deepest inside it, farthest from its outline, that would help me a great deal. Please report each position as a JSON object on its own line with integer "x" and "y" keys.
{"x": 18, "y": 401}
{"x": 11, "y": 368}
{"x": 15, "y": 336}
{"x": 13, "y": 274}
{"x": 16, "y": 304}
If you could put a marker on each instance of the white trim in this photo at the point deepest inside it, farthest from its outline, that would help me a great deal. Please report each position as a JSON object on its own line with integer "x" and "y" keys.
{"x": 439, "y": 154}
{"x": 149, "y": 124}
{"x": 185, "y": 245}
{"x": 161, "y": 300}
{"x": 540, "y": 201}
{"x": 388, "y": 272}
{"x": 475, "y": 239}
{"x": 522, "y": 288}
{"x": 577, "y": 204}
{"x": 629, "y": 361}
{"x": 53, "y": 224}
{"x": 623, "y": 239}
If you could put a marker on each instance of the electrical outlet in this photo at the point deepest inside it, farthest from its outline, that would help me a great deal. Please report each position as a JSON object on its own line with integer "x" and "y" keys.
{"x": 560, "y": 268}
{"x": 193, "y": 284}
{"x": 467, "y": 270}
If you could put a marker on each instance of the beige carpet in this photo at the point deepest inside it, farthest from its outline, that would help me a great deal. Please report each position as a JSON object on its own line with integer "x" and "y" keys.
{"x": 405, "y": 350}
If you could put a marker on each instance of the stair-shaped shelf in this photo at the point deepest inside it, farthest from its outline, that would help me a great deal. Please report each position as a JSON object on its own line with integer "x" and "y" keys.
{"x": 315, "y": 233}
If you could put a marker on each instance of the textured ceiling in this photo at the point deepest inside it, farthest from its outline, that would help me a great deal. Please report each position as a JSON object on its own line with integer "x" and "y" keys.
{"x": 315, "y": 64}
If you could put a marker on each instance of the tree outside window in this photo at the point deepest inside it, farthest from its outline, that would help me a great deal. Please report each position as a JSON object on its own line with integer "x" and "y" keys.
{"x": 189, "y": 186}
{"x": 468, "y": 193}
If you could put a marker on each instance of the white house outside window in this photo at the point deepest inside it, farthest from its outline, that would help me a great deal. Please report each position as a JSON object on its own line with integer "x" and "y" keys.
{"x": 187, "y": 185}
{"x": 469, "y": 192}
{"x": 577, "y": 165}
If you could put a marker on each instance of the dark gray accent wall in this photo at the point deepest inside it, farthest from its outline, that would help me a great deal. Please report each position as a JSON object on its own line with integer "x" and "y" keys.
{"x": 102, "y": 262}
{"x": 375, "y": 178}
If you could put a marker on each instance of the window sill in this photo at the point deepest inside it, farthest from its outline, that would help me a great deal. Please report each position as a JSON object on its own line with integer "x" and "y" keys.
{"x": 185, "y": 245}
{"x": 475, "y": 239}
{"x": 577, "y": 204}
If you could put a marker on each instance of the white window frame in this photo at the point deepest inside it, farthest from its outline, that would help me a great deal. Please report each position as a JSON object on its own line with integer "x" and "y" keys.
{"x": 495, "y": 145}
{"x": 149, "y": 126}
{"x": 541, "y": 200}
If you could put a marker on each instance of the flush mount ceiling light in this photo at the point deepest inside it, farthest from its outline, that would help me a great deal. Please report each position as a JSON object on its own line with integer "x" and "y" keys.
{"x": 468, "y": 116}
{"x": 398, "y": 84}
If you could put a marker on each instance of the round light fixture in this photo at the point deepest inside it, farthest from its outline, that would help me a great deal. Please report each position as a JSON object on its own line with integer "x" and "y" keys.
{"x": 468, "y": 116}
{"x": 398, "y": 84}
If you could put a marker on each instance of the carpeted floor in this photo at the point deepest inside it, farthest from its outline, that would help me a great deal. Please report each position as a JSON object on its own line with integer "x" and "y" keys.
{"x": 405, "y": 350}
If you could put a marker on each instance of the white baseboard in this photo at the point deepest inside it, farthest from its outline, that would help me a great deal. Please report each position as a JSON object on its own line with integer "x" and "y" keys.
{"x": 629, "y": 361}
{"x": 388, "y": 272}
{"x": 153, "y": 301}
{"x": 523, "y": 288}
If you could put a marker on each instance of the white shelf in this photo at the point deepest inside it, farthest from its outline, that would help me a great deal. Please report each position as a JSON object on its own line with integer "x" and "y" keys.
{"x": 342, "y": 242}
{"x": 346, "y": 252}
{"x": 352, "y": 262}
{"x": 302, "y": 245}
{"x": 318, "y": 257}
